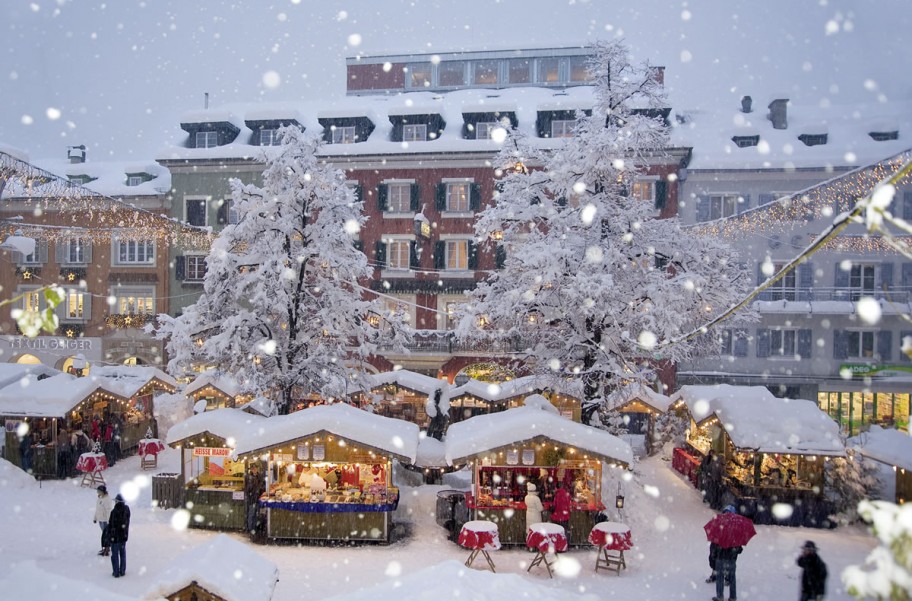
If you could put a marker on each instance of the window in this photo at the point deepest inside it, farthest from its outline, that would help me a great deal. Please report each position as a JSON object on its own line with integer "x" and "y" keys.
{"x": 520, "y": 70}
{"x": 643, "y": 190}
{"x": 131, "y": 252}
{"x": 418, "y": 75}
{"x": 745, "y": 141}
{"x": 450, "y": 309}
{"x": 79, "y": 179}
{"x": 486, "y": 72}
{"x": 134, "y": 180}
{"x": 196, "y": 211}
{"x": 74, "y": 307}
{"x": 74, "y": 251}
{"x": 786, "y": 288}
{"x": 399, "y": 197}
{"x": 32, "y": 300}
{"x": 206, "y": 139}
{"x": 233, "y": 216}
{"x": 35, "y": 258}
{"x": 134, "y": 300}
{"x": 451, "y": 73}
{"x": 562, "y": 128}
{"x": 343, "y": 134}
{"x": 861, "y": 344}
{"x": 861, "y": 281}
{"x": 483, "y": 129}
{"x": 414, "y": 132}
{"x": 725, "y": 343}
{"x": 782, "y": 343}
{"x": 195, "y": 268}
{"x": 548, "y": 70}
{"x": 457, "y": 255}
{"x": 457, "y": 197}
{"x": 269, "y": 137}
{"x": 579, "y": 71}
{"x": 722, "y": 205}
{"x": 397, "y": 255}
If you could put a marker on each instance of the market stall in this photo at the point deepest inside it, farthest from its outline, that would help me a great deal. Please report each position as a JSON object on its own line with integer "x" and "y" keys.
{"x": 475, "y": 397}
{"x": 773, "y": 450}
{"x": 213, "y": 481}
{"x": 534, "y": 444}
{"x": 894, "y": 449}
{"x": 218, "y": 390}
{"x": 639, "y": 405}
{"x": 404, "y": 395}
{"x": 38, "y": 411}
{"x": 140, "y": 384}
{"x": 329, "y": 472}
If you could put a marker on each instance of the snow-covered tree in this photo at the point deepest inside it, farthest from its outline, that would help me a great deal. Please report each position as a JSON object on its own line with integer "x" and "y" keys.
{"x": 887, "y": 573}
{"x": 282, "y": 308}
{"x": 848, "y": 482}
{"x": 593, "y": 282}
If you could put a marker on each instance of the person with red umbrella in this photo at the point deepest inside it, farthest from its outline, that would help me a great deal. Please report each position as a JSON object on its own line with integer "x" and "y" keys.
{"x": 730, "y": 532}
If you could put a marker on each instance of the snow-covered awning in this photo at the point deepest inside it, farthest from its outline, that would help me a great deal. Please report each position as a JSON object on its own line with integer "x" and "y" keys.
{"x": 51, "y": 397}
{"x": 394, "y": 436}
{"x": 487, "y": 432}
{"x": 229, "y": 424}
{"x": 886, "y": 445}
{"x": 223, "y": 566}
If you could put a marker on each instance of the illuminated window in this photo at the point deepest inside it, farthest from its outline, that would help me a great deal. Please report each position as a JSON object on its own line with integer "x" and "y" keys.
{"x": 520, "y": 70}
{"x": 134, "y": 300}
{"x": 485, "y": 72}
{"x": 562, "y": 128}
{"x": 457, "y": 255}
{"x": 343, "y": 134}
{"x": 548, "y": 70}
{"x": 399, "y": 197}
{"x": 643, "y": 190}
{"x": 135, "y": 252}
{"x": 861, "y": 344}
{"x": 32, "y": 300}
{"x": 418, "y": 75}
{"x": 457, "y": 197}
{"x": 579, "y": 70}
{"x": 397, "y": 254}
{"x": 75, "y": 305}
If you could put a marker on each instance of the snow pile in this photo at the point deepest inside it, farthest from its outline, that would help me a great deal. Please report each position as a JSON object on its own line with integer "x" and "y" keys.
{"x": 49, "y": 397}
{"x": 537, "y": 401}
{"x": 127, "y": 380}
{"x": 170, "y": 409}
{"x": 13, "y": 478}
{"x": 886, "y": 445}
{"x": 26, "y": 580}
{"x": 229, "y": 424}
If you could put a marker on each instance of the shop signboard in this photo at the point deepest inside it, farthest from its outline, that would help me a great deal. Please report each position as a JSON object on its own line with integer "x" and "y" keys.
{"x": 211, "y": 451}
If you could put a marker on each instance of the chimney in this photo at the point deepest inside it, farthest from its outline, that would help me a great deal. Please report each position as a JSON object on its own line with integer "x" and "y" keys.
{"x": 746, "y": 104}
{"x": 778, "y": 113}
{"x": 76, "y": 154}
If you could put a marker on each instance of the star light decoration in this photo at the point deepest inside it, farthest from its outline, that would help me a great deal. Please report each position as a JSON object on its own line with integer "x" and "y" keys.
{"x": 823, "y": 201}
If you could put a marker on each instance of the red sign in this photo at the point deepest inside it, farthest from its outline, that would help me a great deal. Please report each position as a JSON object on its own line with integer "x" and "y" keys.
{"x": 211, "y": 451}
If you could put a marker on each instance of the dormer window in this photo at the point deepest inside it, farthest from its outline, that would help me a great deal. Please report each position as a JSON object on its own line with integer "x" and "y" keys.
{"x": 79, "y": 179}
{"x": 557, "y": 123}
{"x": 343, "y": 134}
{"x": 745, "y": 141}
{"x": 206, "y": 139}
{"x": 269, "y": 137}
{"x": 416, "y": 127}
{"x": 562, "y": 128}
{"x": 416, "y": 132}
{"x": 884, "y": 136}
{"x": 483, "y": 129}
{"x": 813, "y": 139}
{"x": 346, "y": 129}
{"x": 134, "y": 180}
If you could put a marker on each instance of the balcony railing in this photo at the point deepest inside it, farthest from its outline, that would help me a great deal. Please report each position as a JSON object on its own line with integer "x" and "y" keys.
{"x": 895, "y": 294}
{"x": 442, "y": 342}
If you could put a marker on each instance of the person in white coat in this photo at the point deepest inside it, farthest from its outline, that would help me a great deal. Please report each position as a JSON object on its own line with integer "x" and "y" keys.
{"x": 103, "y": 506}
{"x": 534, "y": 507}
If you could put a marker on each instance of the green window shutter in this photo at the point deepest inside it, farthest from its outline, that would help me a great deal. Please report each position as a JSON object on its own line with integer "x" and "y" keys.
{"x": 475, "y": 197}
{"x": 414, "y": 259}
{"x": 415, "y": 199}
{"x": 380, "y": 253}
{"x": 179, "y": 268}
{"x": 661, "y": 195}
{"x": 382, "y": 193}
{"x": 87, "y": 251}
{"x": 500, "y": 256}
{"x": 439, "y": 255}
{"x": 359, "y": 192}
{"x": 440, "y": 199}
{"x": 473, "y": 254}
{"x": 359, "y": 245}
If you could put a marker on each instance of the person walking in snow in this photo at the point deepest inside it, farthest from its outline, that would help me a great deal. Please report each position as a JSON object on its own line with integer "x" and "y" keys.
{"x": 534, "y": 507}
{"x": 118, "y": 533}
{"x": 726, "y": 564}
{"x": 813, "y": 573}
{"x": 104, "y": 504}
{"x": 254, "y": 487}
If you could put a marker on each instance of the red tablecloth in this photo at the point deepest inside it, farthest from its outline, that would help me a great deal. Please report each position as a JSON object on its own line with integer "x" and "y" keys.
{"x": 150, "y": 446}
{"x": 92, "y": 462}
{"x": 480, "y": 534}
{"x": 546, "y": 537}
{"x": 611, "y": 535}
{"x": 685, "y": 463}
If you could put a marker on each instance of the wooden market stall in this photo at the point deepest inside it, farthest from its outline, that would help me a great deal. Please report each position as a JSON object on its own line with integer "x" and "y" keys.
{"x": 140, "y": 384}
{"x": 221, "y": 569}
{"x": 533, "y": 444}
{"x": 640, "y": 405}
{"x": 481, "y": 398}
{"x": 773, "y": 450}
{"x": 894, "y": 449}
{"x": 213, "y": 482}
{"x": 218, "y": 390}
{"x": 43, "y": 408}
{"x": 329, "y": 472}
{"x": 404, "y": 395}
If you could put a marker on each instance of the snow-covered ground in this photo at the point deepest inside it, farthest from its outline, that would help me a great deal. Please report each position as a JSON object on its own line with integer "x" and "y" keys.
{"x": 48, "y": 527}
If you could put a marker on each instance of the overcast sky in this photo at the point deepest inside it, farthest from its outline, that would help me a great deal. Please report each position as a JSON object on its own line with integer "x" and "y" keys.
{"x": 117, "y": 75}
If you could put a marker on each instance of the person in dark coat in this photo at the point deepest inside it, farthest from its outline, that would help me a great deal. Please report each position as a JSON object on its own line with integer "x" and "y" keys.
{"x": 118, "y": 533}
{"x": 713, "y": 555}
{"x": 26, "y": 453}
{"x": 254, "y": 487}
{"x": 813, "y": 573}
{"x": 726, "y": 563}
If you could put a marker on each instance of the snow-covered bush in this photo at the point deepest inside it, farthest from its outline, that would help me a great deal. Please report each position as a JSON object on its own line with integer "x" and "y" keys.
{"x": 848, "y": 482}
{"x": 669, "y": 433}
{"x": 887, "y": 573}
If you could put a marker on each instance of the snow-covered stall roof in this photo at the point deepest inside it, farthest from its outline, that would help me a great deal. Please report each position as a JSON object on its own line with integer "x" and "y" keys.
{"x": 516, "y": 387}
{"x": 638, "y": 392}
{"x": 431, "y": 453}
{"x": 128, "y": 380}
{"x": 25, "y": 580}
{"x": 50, "y": 397}
{"x": 260, "y": 406}
{"x": 223, "y": 566}
{"x": 701, "y": 400}
{"x": 13, "y": 372}
{"x": 886, "y": 445}
{"x": 229, "y": 424}
{"x": 395, "y": 436}
{"x": 221, "y": 382}
{"x": 486, "y": 432}
{"x": 417, "y": 382}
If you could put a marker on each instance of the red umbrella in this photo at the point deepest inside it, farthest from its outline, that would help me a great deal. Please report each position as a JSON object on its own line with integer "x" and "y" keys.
{"x": 729, "y": 530}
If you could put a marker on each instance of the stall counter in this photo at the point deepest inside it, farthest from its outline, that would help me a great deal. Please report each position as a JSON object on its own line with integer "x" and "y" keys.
{"x": 510, "y": 517}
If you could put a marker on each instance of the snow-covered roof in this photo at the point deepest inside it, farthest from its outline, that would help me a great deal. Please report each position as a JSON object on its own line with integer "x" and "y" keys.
{"x": 431, "y": 453}
{"x": 887, "y": 445}
{"x": 127, "y": 380}
{"x": 260, "y": 406}
{"x": 397, "y": 437}
{"x": 486, "y": 432}
{"x": 50, "y": 397}
{"x": 753, "y": 418}
{"x": 223, "y": 566}
{"x": 25, "y": 580}
{"x": 640, "y": 392}
{"x": 516, "y": 387}
{"x": 229, "y": 424}
{"x": 222, "y": 382}
{"x": 13, "y": 372}
{"x": 408, "y": 379}
{"x": 110, "y": 177}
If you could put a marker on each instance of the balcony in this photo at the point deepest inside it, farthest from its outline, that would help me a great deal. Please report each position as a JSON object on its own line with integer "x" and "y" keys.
{"x": 444, "y": 343}
{"x": 830, "y": 300}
